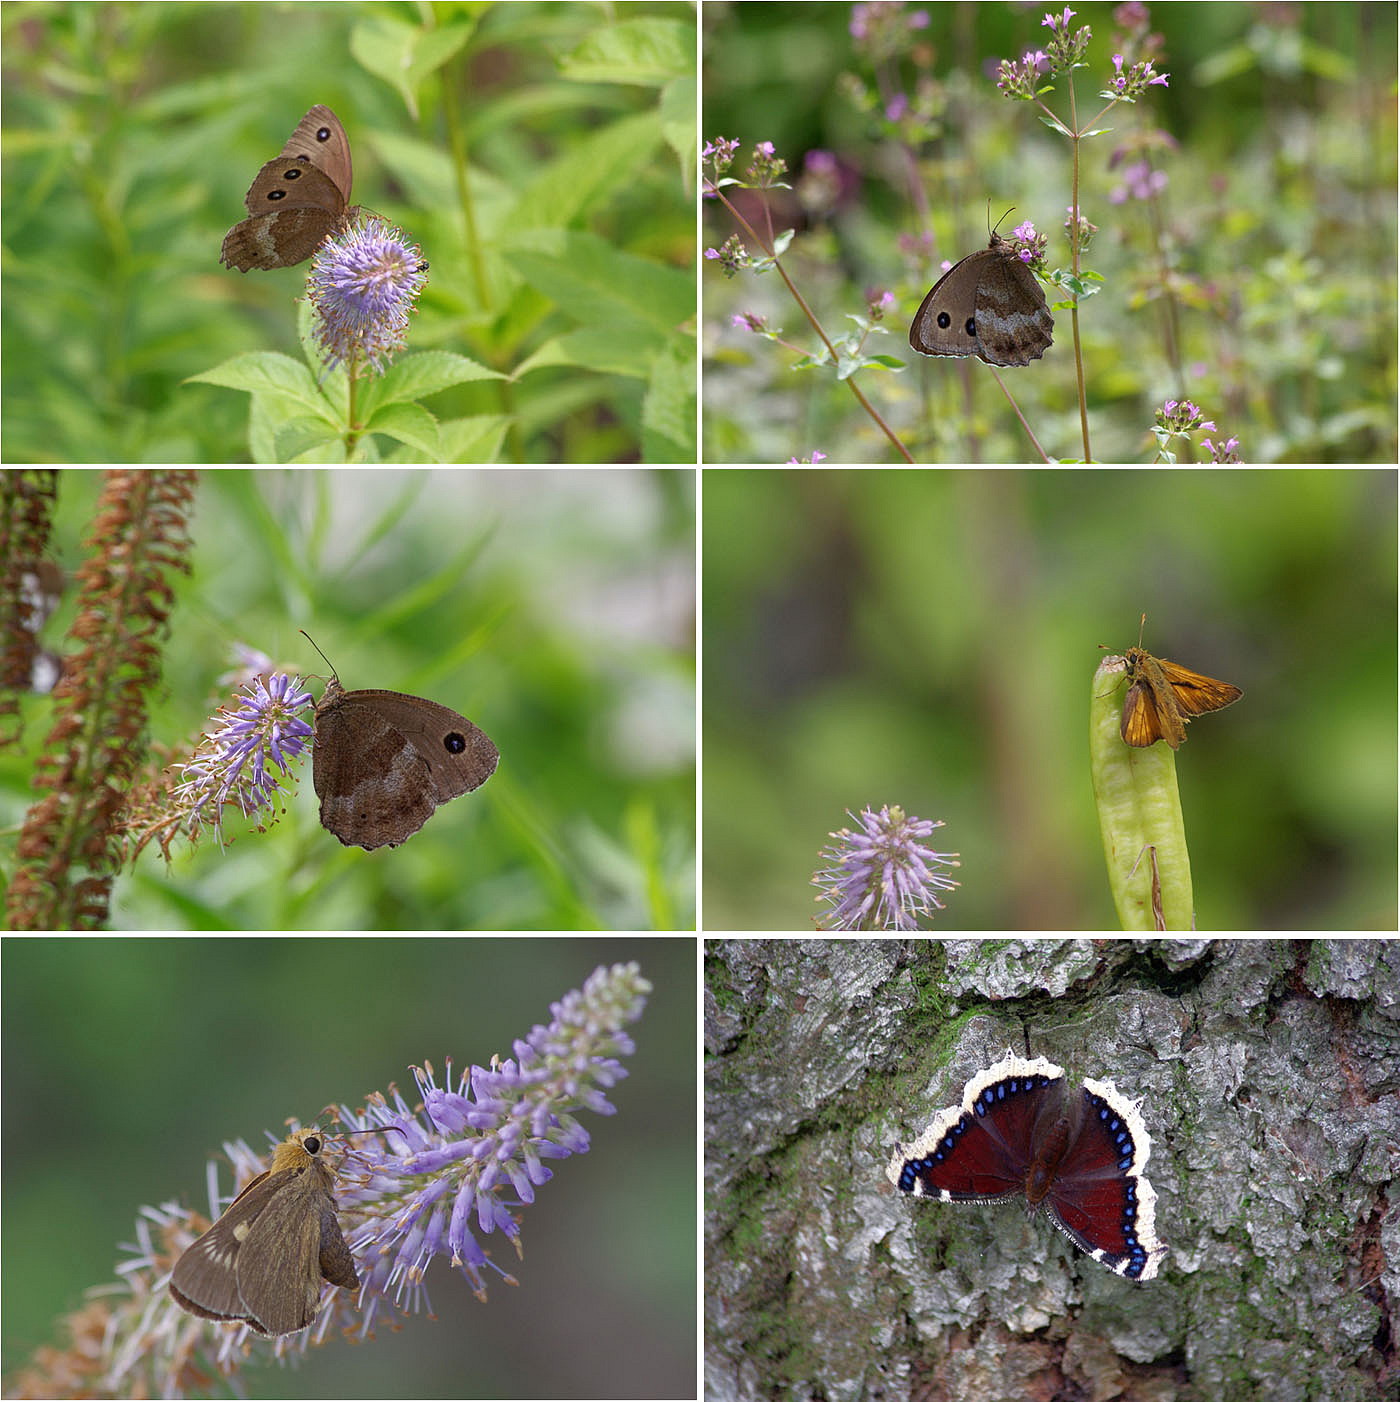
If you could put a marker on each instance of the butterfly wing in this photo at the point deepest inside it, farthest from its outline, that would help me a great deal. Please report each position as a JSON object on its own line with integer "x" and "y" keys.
{"x": 320, "y": 139}
{"x": 296, "y": 201}
{"x": 205, "y": 1278}
{"x": 277, "y": 240}
{"x": 1197, "y": 694}
{"x": 279, "y": 1263}
{"x": 1013, "y": 322}
{"x": 293, "y": 184}
{"x": 1141, "y": 724}
{"x": 383, "y": 761}
{"x": 945, "y": 322}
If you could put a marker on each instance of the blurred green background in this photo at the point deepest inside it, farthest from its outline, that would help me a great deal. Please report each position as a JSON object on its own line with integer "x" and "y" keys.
{"x": 929, "y": 639}
{"x": 129, "y": 1061}
{"x": 554, "y": 608}
{"x": 542, "y": 154}
{"x": 1260, "y": 282}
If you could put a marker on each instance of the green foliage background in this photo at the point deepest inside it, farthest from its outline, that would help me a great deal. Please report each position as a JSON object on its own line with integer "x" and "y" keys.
{"x": 1277, "y": 230}
{"x": 929, "y": 639}
{"x": 130, "y": 1060}
{"x": 554, "y": 608}
{"x": 543, "y": 154}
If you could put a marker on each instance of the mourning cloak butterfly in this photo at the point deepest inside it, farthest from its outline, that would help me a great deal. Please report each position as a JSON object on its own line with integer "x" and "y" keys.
{"x": 1080, "y": 1156}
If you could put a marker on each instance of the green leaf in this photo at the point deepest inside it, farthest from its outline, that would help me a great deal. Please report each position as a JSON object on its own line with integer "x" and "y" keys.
{"x": 644, "y": 51}
{"x": 596, "y": 285}
{"x": 606, "y": 352}
{"x": 411, "y": 424}
{"x": 404, "y": 54}
{"x": 676, "y": 113}
{"x": 591, "y": 172}
{"x": 668, "y": 409}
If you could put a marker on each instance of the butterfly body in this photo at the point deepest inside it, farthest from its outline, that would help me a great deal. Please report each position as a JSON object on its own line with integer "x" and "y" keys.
{"x": 989, "y": 305}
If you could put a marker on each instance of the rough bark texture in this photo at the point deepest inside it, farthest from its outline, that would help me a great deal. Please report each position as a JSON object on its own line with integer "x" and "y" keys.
{"x": 1270, "y": 1072}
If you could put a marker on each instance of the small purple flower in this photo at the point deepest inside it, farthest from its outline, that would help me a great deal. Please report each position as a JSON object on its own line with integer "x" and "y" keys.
{"x": 1021, "y": 78}
{"x": 879, "y": 301}
{"x": 720, "y": 153}
{"x": 363, "y": 285}
{"x": 766, "y": 167}
{"x": 1132, "y": 84}
{"x": 1086, "y": 229}
{"x": 881, "y": 878}
{"x": 1228, "y": 451}
{"x": 1181, "y": 416}
{"x": 1066, "y": 47}
{"x": 1140, "y": 181}
{"x": 732, "y": 256}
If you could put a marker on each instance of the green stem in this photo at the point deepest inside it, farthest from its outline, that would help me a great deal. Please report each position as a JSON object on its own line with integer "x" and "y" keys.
{"x": 1144, "y": 835}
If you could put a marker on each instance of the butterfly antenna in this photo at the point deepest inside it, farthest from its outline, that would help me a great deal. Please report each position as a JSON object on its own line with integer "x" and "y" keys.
{"x": 324, "y": 658}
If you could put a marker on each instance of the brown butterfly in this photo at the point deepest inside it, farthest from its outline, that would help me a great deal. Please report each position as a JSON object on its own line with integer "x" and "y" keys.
{"x": 1163, "y": 696}
{"x": 988, "y": 305}
{"x": 297, "y": 201}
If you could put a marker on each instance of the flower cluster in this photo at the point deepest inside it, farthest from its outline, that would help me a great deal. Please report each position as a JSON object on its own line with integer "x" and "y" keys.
{"x": 1181, "y": 416}
{"x": 231, "y": 764}
{"x": 1131, "y": 85}
{"x": 1019, "y": 78}
{"x": 1067, "y": 47}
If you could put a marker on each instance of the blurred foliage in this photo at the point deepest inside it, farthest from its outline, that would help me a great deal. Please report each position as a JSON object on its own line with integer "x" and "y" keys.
{"x": 930, "y": 639}
{"x": 131, "y": 1060}
{"x": 543, "y": 154}
{"x": 552, "y": 608}
{"x": 1276, "y": 230}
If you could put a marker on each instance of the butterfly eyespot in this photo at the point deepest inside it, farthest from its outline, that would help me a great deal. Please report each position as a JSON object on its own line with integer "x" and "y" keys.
{"x": 323, "y": 133}
{"x": 293, "y": 174}
{"x": 277, "y": 194}
{"x": 944, "y": 321}
{"x": 971, "y": 327}
{"x": 454, "y": 742}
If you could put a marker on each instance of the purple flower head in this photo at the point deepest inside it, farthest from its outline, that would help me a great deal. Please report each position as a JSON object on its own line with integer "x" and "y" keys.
{"x": 230, "y": 764}
{"x": 363, "y": 285}
{"x": 881, "y": 878}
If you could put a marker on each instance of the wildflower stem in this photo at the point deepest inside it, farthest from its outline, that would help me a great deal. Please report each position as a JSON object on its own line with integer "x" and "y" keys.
{"x": 768, "y": 246}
